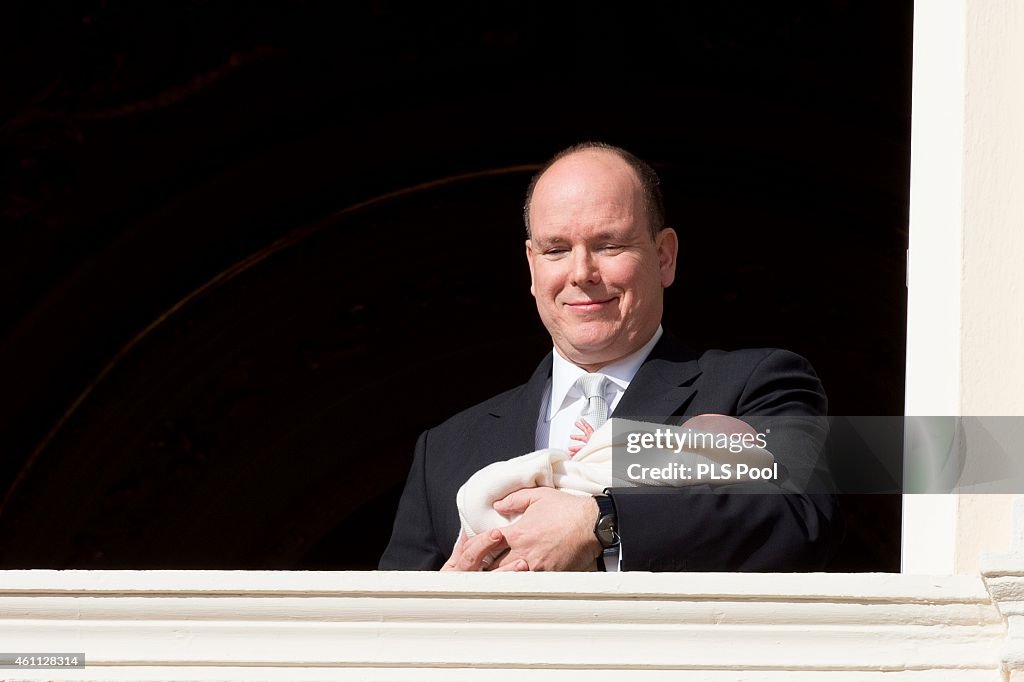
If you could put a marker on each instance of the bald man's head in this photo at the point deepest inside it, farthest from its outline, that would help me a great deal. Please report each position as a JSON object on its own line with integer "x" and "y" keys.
{"x": 648, "y": 183}
{"x": 598, "y": 263}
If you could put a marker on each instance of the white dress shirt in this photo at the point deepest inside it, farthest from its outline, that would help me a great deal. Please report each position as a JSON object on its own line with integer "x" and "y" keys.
{"x": 563, "y": 401}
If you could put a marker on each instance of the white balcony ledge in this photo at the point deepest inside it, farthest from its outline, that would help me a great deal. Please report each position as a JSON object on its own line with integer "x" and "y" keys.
{"x": 226, "y": 625}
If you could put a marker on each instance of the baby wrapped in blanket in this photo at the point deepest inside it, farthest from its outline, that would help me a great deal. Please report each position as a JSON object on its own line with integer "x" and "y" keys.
{"x": 587, "y": 470}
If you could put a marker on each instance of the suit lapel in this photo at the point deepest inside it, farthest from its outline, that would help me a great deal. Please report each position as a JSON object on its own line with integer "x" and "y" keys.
{"x": 665, "y": 383}
{"x": 515, "y": 427}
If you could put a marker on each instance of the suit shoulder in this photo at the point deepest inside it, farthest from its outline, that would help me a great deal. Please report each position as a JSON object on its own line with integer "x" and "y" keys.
{"x": 748, "y": 360}
{"x": 768, "y": 380}
{"x": 482, "y": 409}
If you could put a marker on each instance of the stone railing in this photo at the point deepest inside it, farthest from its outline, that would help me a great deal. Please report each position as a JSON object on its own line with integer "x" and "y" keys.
{"x": 224, "y": 625}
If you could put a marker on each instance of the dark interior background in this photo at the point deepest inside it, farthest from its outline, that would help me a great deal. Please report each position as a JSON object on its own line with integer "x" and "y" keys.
{"x": 232, "y": 231}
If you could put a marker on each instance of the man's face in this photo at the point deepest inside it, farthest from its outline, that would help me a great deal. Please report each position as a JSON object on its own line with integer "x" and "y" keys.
{"x": 596, "y": 274}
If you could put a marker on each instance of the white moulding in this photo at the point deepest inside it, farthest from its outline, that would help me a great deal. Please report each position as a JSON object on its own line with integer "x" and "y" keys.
{"x": 427, "y": 626}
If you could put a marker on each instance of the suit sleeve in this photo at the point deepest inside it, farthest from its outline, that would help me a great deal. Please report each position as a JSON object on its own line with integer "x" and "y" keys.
{"x": 413, "y": 545}
{"x": 732, "y": 529}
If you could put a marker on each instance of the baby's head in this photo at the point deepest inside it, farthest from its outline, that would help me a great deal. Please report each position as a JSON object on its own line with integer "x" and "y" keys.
{"x": 718, "y": 423}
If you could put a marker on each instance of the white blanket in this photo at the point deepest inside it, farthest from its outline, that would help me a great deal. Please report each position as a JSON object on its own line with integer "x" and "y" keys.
{"x": 588, "y": 473}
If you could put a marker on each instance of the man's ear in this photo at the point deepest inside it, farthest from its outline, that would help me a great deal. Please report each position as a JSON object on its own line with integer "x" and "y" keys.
{"x": 667, "y": 245}
{"x": 529, "y": 261}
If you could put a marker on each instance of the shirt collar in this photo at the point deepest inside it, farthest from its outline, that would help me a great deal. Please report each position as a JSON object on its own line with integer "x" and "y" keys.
{"x": 564, "y": 373}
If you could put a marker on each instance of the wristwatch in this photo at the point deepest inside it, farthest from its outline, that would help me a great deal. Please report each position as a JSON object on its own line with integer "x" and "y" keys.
{"x": 607, "y": 527}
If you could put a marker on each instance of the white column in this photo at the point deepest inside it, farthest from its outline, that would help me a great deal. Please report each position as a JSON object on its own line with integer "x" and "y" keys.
{"x": 934, "y": 262}
{"x": 965, "y": 319}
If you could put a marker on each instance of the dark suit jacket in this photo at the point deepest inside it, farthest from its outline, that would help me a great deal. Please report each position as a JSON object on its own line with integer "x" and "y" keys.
{"x": 678, "y": 529}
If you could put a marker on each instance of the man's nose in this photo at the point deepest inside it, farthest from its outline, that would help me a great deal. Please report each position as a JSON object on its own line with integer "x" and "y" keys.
{"x": 584, "y": 267}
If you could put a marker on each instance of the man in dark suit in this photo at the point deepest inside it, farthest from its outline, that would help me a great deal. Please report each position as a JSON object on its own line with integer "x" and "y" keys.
{"x": 600, "y": 258}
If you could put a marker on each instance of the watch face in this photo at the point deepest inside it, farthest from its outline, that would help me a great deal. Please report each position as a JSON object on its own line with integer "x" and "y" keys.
{"x": 607, "y": 534}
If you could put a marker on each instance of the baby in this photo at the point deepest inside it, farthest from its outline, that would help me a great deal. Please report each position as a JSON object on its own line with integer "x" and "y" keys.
{"x": 586, "y": 468}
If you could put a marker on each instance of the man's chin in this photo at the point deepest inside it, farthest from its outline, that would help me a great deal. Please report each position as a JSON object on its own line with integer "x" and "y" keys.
{"x": 587, "y": 351}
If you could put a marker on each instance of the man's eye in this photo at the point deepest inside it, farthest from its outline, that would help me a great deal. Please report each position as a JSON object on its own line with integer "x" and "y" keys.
{"x": 554, "y": 251}
{"x": 611, "y": 247}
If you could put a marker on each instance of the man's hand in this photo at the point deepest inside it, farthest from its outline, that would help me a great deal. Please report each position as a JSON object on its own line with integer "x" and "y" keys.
{"x": 478, "y": 554}
{"x": 555, "y": 533}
